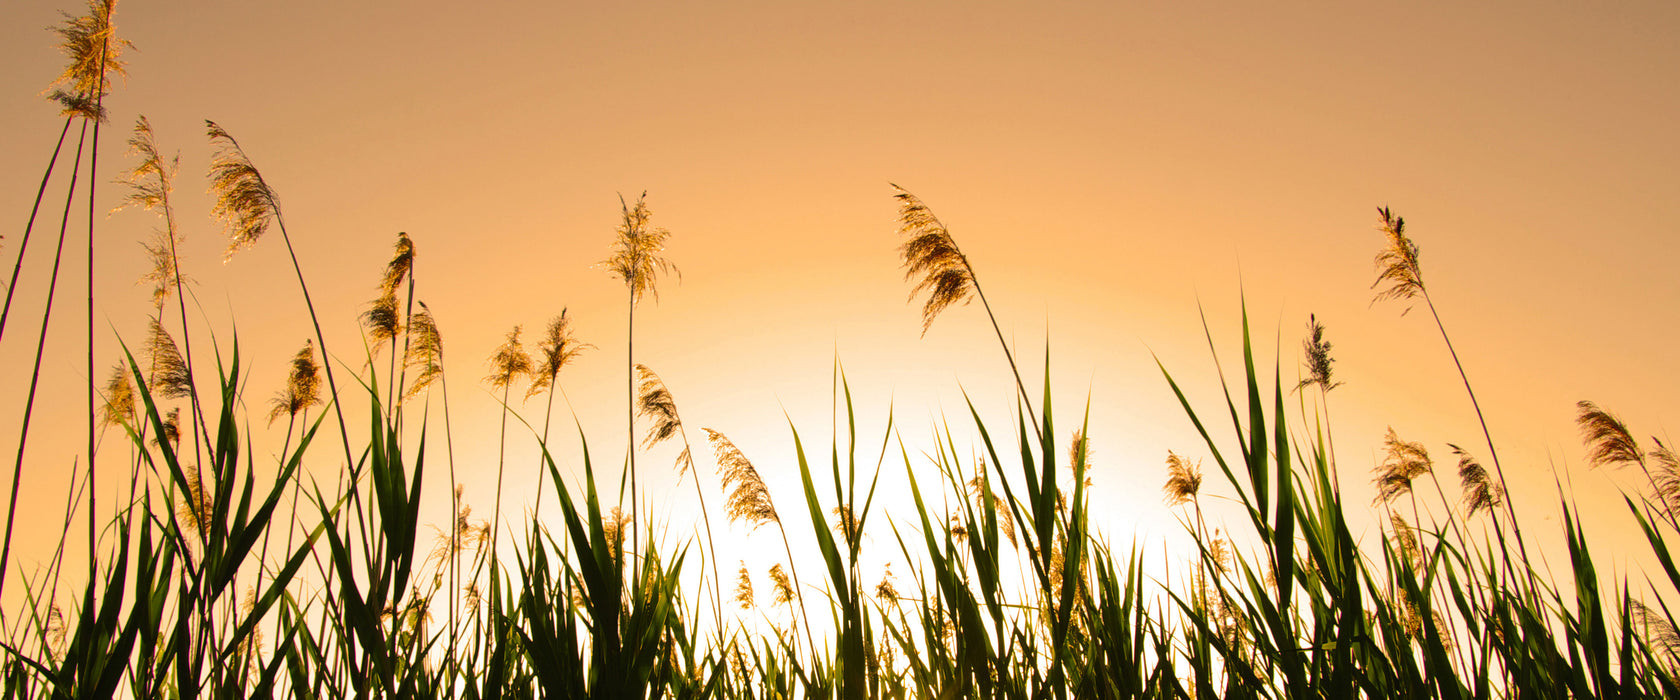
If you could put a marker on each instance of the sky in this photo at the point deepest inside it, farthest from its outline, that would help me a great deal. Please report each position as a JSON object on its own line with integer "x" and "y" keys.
{"x": 1114, "y": 171}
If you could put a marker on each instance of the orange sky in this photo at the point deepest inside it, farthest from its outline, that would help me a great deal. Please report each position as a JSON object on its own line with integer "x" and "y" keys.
{"x": 1104, "y": 165}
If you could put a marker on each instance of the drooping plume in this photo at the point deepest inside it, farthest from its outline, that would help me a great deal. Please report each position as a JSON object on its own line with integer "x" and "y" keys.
{"x": 1609, "y": 443}
{"x": 94, "y": 51}
{"x": 303, "y": 386}
{"x": 749, "y": 498}
{"x": 119, "y": 398}
{"x": 559, "y": 347}
{"x": 1397, "y": 264}
{"x": 169, "y": 378}
{"x": 931, "y": 258}
{"x": 1405, "y": 461}
{"x": 744, "y": 587}
{"x": 1481, "y": 492}
{"x": 244, "y": 202}
{"x": 425, "y": 350}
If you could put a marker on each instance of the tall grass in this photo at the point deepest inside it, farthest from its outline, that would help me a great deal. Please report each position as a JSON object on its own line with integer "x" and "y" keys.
{"x": 1004, "y": 586}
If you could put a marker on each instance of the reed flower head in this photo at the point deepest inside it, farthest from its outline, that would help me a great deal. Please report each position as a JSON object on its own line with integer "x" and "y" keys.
{"x": 636, "y": 258}
{"x": 169, "y": 377}
{"x": 980, "y": 489}
{"x": 91, "y": 44}
{"x": 1666, "y": 477}
{"x": 885, "y": 590}
{"x": 559, "y": 347}
{"x": 1480, "y": 490}
{"x": 1184, "y": 479}
{"x": 743, "y": 587}
{"x": 303, "y": 386}
{"x": 1317, "y": 350}
{"x": 150, "y": 184}
{"x": 509, "y": 363}
{"x": 194, "y": 511}
{"x": 784, "y": 589}
{"x": 1397, "y": 264}
{"x": 244, "y": 202}
{"x": 118, "y": 408}
{"x": 402, "y": 262}
{"x": 171, "y": 432}
{"x": 1406, "y": 539}
{"x": 845, "y": 523}
{"x": 749, "y": 498}
{"x": 1656, "y": 629}
{"x": 931, "y": 257}
{"x": 383, "y": 320}
{"x": 1405, "y": 461}
{"x": 1607, "y": 437}
{"x": 425, "y": 350}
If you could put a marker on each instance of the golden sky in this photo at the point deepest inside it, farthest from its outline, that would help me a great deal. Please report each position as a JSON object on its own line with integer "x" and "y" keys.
{"x": 1106, "y": 166}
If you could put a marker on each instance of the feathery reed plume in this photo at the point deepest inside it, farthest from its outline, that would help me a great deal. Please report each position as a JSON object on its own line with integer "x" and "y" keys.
{"x": 885, "y": 591}
{"x": 654, "y": 402}
{"x": 1607, "y": 438}
{"x": 1666, "y": 479}
{"x": 72, "y": 105}
{"x": 1317, "y": 350}
{"x": 931, "y": 254}
{"x": 932, "y": 257}
{"x": 94, "y": 51}
{"x": 613, "y": 527}
{"x": 636, "y": 258}
{"x": 1480, "y": 490}
{"x": 1397, "y": 264}
{"x": 1184, "y": 479}
{"x": 244, "y": 202}
{"x": 559, "y": 347}
{"x": 303, "y": 386}
{"x": 425, "y": 350}
{"x": 743, "y": 587}
{"x": 119, "y": 398}
{"x": 1406, "y": 539}
{"x": 509, "y": 363}
{"x": 1405, "y": 461}
{"x": 980, "y": 489}
{"x": 150, "y": 184}
{"x": 194, "y": 511}
{"x": 748, "y": 498}
{"x": 169, "y": 377}
{"x": 383, "y": 319}
{"x": 846, "y": 523}
{"x": 784, "y": 590}
{"x": 55, "y": 631}
{"x": 402, "y": 261}
{"x": 1656, "y": 629}
{"x": 171, "y": 429}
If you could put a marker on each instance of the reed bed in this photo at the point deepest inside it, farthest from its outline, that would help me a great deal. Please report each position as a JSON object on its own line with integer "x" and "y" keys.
{"x": 1005, "y": 588}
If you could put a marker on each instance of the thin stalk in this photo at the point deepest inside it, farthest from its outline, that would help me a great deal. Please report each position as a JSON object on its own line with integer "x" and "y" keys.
{"x": 1020, "y": 386}
{"x": 93, "y": 464}
{"x": 496, "y": 517}
{"x": 630, "y": 426}
{"x": 23, "y": 247}
{"x": 40, "y": 350}
{"x": 1493, "y": 453}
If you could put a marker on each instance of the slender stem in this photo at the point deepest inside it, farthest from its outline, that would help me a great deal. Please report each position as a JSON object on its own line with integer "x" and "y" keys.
{"x": 1020, "y": 386}
{"x": 630, "y": 424}
{"x": 23, "y": 247}
{"x": 93, "y": 185}
{"x": 40, "y": 350}
{"x": 496, "y": 517}
{"x": 542, "y": 467}
{"x": 1493, "y": 454}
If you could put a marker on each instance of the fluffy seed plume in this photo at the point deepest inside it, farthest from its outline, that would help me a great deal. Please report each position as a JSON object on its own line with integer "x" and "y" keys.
{"x": 931, "y": 257}
{"x": 1317, "y": 350}
{"x": 244, "y": 202}
{"x": 743, "y": 587}
{"x": 885, "y": 590}
{"x": 845, "y": 523}
{"x": 1405, "y": 461}
{"x": 784, "y": 589}
{"x": 1406, "y": 539}
{"x": 1656, "y": 629}
{"x": 425, "y": 350}
{"x": 1480, "y": 490}
{"x": 559, "y": 347}
{"x": 171, "y": 429}
{"x": 748, "y": 498}
{"x": 509, "y": 363}
{"x": 1397, "y": 264}
{"x": 980, "y": 489}
{"x": 1607, "y": 438}
{"x": 150, "y": 183}
{"x": 1184, "y": 479}
{"x": 1666, "y": 477}
{"x": 303, "y": 386}
{"x": 91, "y": 44}
{"x": 402, "y": 261}
{"x": 118, "y": 408}
{"x": 383, "y": 320}
{"x": 636, "y": 258}
{"x": 169, "y": 377}
{"x": 194, "y": 511}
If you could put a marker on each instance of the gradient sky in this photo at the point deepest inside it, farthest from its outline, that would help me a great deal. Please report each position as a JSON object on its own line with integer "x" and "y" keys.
{"x": 1107, "y": 167}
